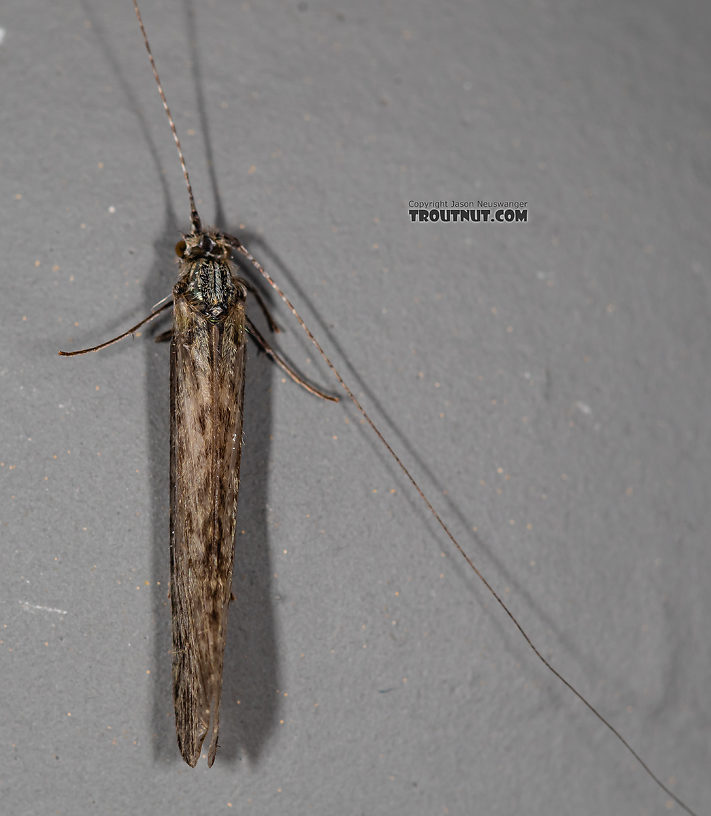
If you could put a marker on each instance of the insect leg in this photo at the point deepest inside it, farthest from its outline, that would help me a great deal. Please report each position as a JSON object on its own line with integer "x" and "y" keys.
{"x": 113, "y": 340}
{"x": 250, "y": 287}
{"x": 281, "y": 362}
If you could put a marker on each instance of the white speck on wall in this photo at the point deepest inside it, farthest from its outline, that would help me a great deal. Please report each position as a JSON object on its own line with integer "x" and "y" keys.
{"x": 583, "y": 408}
{"x": 32, "y": 607}
{"x": 2, "y": 35}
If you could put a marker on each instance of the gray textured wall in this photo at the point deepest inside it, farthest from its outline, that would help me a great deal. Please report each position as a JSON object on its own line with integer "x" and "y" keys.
{"x": 553, "y": 377}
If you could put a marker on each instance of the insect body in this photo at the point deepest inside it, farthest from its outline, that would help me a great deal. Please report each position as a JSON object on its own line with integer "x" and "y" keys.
{"x": 207, "y": 365}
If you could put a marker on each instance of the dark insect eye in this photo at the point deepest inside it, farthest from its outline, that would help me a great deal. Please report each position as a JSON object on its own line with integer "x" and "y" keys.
{"x": 180, "y": 249}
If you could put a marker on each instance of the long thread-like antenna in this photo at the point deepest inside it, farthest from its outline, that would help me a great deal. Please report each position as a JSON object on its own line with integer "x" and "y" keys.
{"x": 194, "y": 217}
{"x": 244, "y": 251}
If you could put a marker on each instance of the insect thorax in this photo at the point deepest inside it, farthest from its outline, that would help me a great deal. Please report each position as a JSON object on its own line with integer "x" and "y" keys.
{"x": 206, "y": 280}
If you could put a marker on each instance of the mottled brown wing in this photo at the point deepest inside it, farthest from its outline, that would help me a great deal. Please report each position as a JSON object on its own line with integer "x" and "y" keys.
{"x": 207, "y": 388}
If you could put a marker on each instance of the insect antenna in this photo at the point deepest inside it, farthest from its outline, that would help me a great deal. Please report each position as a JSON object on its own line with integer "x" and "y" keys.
{"x": 239, "y": 247}
{"x": 194, "y": 217}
